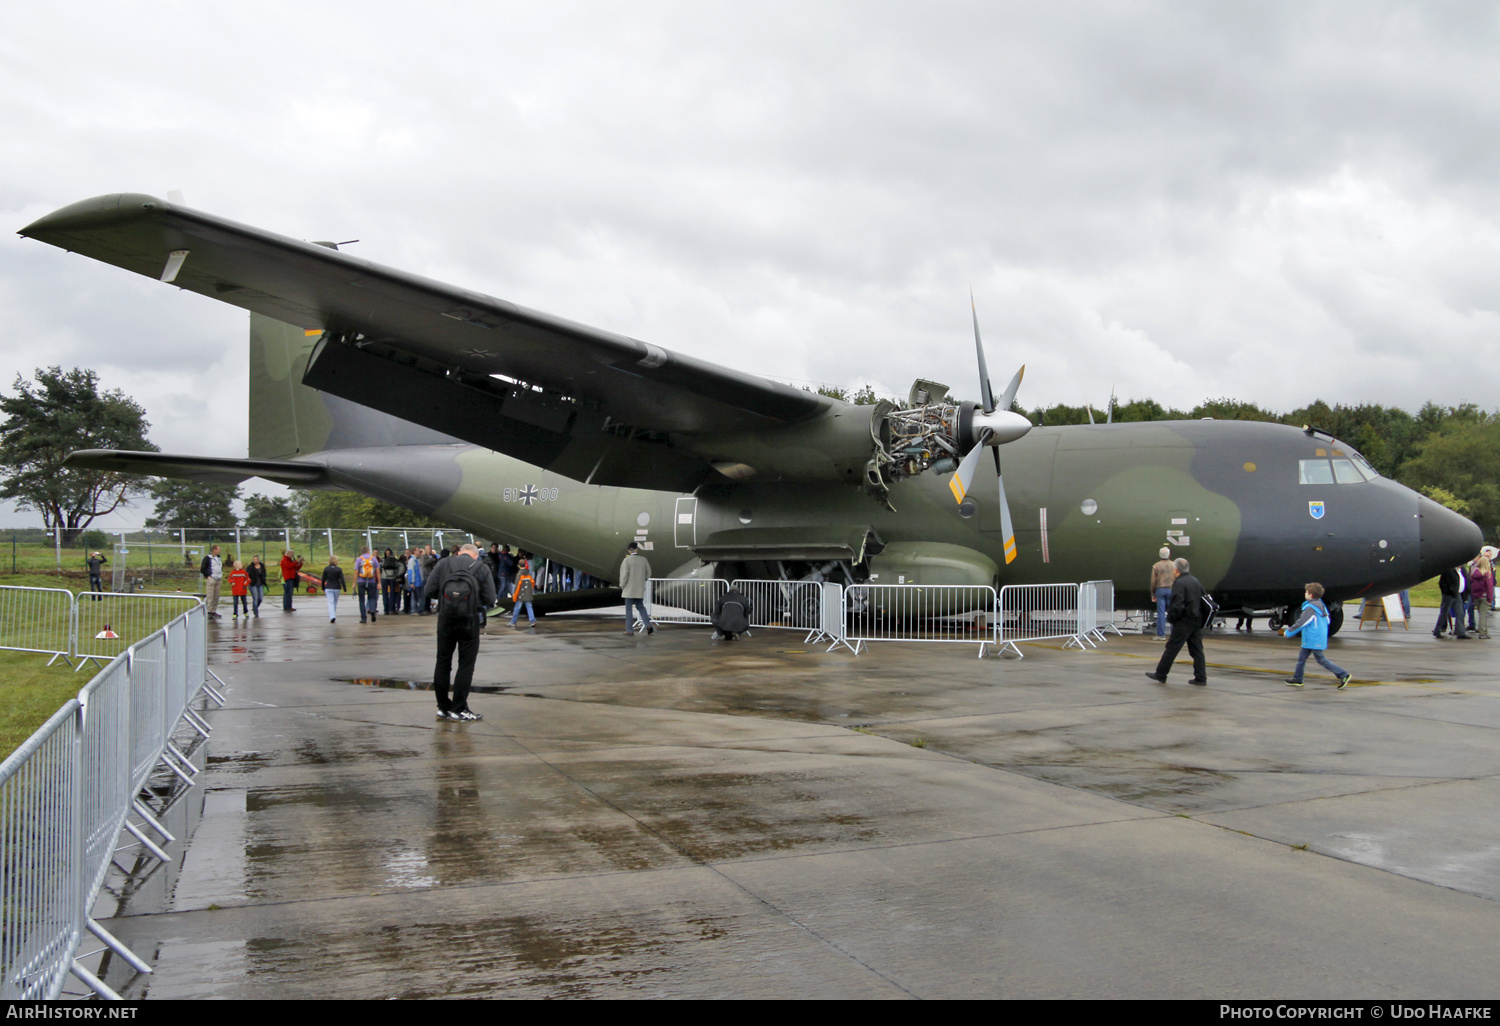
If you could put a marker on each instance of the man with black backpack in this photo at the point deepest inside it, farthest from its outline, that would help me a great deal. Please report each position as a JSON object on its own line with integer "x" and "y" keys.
{"x": 464, "y": 589}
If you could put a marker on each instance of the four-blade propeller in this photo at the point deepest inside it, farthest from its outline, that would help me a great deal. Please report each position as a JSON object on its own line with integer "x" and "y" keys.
{"x": 989, "y": 427}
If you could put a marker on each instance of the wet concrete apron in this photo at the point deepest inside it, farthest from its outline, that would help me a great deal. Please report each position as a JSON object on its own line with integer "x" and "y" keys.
{"x": 667, "y": 817}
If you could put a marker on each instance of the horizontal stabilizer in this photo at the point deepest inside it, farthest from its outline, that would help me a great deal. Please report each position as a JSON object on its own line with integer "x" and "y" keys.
{"x": 207, "y": 469}
{"x": 566, "y": 601}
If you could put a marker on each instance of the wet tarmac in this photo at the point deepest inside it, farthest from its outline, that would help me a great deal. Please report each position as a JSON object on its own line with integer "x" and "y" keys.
{"x": 666, "y": 817}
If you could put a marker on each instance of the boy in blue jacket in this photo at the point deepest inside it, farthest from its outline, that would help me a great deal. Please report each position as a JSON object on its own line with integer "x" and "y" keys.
{"x": 1312, "y": 624}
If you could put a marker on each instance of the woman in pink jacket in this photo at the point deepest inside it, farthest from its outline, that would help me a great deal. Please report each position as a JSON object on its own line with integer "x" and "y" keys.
{"x": 1482, "y": 590}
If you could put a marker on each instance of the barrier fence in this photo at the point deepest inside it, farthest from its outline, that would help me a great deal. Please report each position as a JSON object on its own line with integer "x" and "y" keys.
{"x": 1041, "y": 612}
{"x": 784, "y": 605}
{"x": 1078, "y": 614}
{"x": 37, "y": 620}
{"x": 687, "y": 600}
{"x": 89, "y": 626}
{"x": 129, "y": 617}
{"x": 70, "y": 790}
{"x": 1096, "y": 602}
{"x": 920, "y": 612}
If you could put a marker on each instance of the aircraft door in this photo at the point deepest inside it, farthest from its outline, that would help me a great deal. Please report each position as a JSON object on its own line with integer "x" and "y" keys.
{"x": 685, "y": 522}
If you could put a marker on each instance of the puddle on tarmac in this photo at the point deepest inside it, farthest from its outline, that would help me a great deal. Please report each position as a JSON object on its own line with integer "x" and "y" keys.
{"x": 398, "y": 684}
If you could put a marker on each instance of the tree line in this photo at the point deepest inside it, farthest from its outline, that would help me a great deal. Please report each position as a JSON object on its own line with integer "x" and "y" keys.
{"x": 1450, "y": 453}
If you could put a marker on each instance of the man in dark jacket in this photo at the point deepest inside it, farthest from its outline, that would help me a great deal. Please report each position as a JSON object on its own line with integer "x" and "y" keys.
{"x": 1451, "y": 587}
{"x": 1185, "y": 612}
{"x": 464, "y": 588}
{"x": 731, "y": 615}
{"x": 96, "y": 574}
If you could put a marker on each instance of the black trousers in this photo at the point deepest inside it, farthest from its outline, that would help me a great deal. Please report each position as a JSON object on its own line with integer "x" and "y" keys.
{"x": 466, "y": 639}
{"x": 1452, "y": 606}
{"x": 1190, "y": 633}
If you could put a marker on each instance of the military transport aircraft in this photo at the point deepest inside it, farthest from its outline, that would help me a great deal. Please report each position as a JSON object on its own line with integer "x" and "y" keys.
{"x": 571, "y": 442}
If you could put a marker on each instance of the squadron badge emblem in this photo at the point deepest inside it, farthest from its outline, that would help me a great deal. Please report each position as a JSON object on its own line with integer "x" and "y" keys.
{"x": 1315, "y": 510}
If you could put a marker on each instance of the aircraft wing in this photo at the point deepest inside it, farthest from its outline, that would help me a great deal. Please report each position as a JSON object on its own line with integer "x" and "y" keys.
{"x": 379, "y": 325}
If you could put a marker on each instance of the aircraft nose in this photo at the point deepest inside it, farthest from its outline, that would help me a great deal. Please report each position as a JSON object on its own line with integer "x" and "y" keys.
{"x": 1446, "y": 539}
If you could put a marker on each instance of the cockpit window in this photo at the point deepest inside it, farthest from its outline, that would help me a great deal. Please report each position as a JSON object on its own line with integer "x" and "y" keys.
{"x": 1363, "y": 466}
{"x": 1315, "y": 472}
{"x": 1344, "y": 472}
{"x": 1338, "y": 470}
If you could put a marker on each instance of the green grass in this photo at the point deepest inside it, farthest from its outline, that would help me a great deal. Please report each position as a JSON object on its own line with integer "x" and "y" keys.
{"x": 30, "y": 692}
{"x": 1426, "y": 594}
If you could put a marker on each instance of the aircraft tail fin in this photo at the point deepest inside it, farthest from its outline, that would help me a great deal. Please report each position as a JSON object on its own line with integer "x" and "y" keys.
{"x": 287, "y": 418}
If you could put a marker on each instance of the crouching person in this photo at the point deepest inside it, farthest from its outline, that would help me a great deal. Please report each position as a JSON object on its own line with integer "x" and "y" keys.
{"x": 464, "y": 590}
{"x": 731, "y": 615}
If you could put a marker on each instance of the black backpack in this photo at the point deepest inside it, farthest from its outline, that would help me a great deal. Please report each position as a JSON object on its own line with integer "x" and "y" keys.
{"x": 460, "y": 597}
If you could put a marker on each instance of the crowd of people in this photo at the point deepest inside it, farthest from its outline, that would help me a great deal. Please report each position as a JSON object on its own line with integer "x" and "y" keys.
{"x": 388, "y": 582}
{"x": 393, "y": 583}
{"x": 1468, "y": 599}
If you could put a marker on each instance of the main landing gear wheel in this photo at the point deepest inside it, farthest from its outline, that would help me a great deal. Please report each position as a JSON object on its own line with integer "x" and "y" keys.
{"x": 1335, "y": 618}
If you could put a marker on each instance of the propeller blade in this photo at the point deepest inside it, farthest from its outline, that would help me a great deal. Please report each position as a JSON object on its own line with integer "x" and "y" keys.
{"x": 1006, "y": 531}
{"x": 1090, "y": 410}
{"x": 1011, "y": 389}
{"x": 963, "y": 477}
{"x": 985, "y": 392}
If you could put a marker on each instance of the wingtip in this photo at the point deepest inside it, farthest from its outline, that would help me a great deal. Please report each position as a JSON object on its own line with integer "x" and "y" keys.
{"x": 99, "y": 211}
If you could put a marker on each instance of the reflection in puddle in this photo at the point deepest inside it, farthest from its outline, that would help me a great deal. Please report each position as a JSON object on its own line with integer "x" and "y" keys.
{"x": 397, "y": 684}
{"x": 407, "y": 868}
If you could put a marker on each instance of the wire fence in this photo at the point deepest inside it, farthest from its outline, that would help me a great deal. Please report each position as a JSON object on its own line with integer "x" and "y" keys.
{"x": 68, "y": 792}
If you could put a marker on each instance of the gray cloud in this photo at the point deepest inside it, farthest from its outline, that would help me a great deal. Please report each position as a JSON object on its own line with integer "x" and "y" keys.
{"x": 1270, "y": 201}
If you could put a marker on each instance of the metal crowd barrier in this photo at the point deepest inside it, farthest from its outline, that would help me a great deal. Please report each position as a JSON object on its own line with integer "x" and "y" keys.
{"x": 90, "y": 626}
{"x": 784, "y": 605}
{"x": 39, "y": 896}
{"x": 1099, "y": 597}
{"x": 129, "y": 617}
{"x": 37, "y": 620}
{"x": 1078, "y": 614}
{"x": 1040, "y": 612}
{"x": 920, "y": 612}
{"x": 68, "y": 792}
{"x": 688, "y": 600}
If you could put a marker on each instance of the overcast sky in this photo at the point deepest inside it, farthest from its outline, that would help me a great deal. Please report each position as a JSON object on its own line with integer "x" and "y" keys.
{"x": 1269, "y": 201}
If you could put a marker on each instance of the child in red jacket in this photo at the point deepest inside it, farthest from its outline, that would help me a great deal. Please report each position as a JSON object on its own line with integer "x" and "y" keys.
{"x": 239, "y": 587}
